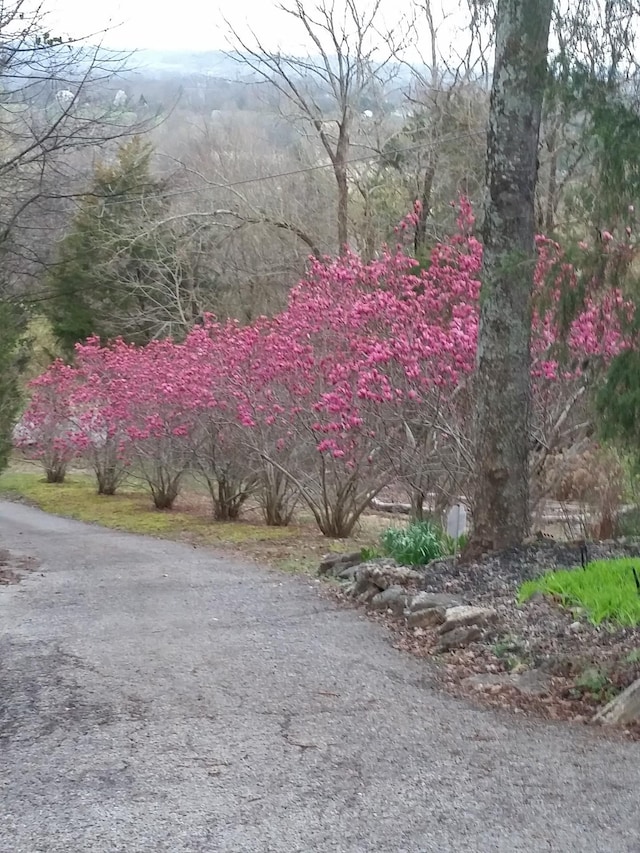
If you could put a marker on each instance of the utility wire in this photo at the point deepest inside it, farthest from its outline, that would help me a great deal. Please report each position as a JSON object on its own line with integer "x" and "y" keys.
{"x": 291, "y": 173}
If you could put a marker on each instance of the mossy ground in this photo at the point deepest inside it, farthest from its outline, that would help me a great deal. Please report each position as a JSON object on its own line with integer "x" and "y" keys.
{"x": 294, "y": 548}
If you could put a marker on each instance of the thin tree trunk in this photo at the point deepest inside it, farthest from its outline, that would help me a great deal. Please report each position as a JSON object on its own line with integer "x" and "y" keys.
{"x": 501, "y": 494}
{"x": 420, "y": 239}
{"x": 417, "y": 505}
{"x": 343, "y": 209}
{"x": 340, "y": 171}
{"x": 552, "y": 186}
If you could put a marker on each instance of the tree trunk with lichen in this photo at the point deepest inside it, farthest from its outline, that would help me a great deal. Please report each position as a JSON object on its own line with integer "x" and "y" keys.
{"x": 501, "y": 493}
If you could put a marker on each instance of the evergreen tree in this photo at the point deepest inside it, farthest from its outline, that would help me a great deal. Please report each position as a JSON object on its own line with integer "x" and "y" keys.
{"x": 618, "y": 402}
{"x": 109, "y": 253}
{"x": 12, "y": 359}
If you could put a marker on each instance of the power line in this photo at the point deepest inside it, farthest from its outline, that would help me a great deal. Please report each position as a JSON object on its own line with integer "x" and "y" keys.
{"x": 300, "y": 171}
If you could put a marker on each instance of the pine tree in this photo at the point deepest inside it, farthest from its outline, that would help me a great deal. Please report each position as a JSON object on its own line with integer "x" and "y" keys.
{"x": 108, "y": 252}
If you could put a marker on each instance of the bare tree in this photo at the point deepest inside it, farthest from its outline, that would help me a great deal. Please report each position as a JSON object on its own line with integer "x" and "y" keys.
{"x": 326, "y": 89}
{"x": 54, "y": 103}
{"x": 251, "y": 204}
{"x": 449, "y": 101}
{"x": 501, "y": 495}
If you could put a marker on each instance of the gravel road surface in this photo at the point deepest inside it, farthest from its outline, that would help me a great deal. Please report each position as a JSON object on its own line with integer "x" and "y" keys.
{"x": 158, "y": 698}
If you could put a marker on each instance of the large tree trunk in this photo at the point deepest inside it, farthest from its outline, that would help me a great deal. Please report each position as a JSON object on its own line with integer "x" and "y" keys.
{"x": 501, "y": 494}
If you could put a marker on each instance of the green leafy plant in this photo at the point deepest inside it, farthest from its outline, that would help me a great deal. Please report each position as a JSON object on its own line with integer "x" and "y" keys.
{"x": 414, "y": 545}
{"x": 633, "y": 656}
{"x": 370, "y": 553}
{"x": 606, "y": 590}
{"x": 596, "y": 681}
{"x": 451, "y": 545}
{"x": 510, "y": 651}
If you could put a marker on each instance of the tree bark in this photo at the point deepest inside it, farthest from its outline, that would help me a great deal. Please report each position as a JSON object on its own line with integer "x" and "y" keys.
{"x": 340, "y": 171}
{"x": 552, "y": 185}
{"x": 501, "y": 494}
{"x": 420, "y": 239}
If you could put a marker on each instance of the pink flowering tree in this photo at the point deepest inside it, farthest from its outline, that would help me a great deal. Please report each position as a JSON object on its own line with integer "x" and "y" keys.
{"x": 221, "y": 456}
{"x": 359, "y": 346}
{"x": 46, "y": 432}
{"x": 271, "y": 459}
{"x": 366, "y": 378}
{"x": 430, "y": 354}
{"x": 99, "y": 417}
{"x": 154, "y": 397}
{"x": 316, "y": 429}
{"x": 580, "y": 319}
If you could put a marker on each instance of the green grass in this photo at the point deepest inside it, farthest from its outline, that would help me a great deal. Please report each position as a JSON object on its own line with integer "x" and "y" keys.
{"x": 297, "y": 548}
{"x": 130, "y": 509}
{"x": 606, "y": 590}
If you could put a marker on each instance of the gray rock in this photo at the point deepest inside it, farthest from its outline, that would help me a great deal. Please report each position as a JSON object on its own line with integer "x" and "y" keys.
{"x": 486, "y": 680}
{"x": 430, "y": 617}
{"x": 576, "y": 627}
{"x": 391, "y": 574}
{"x": 532, "y": 682}
{"x": 362, "y": 584}
{"x": 456, "y": 523}
{"x": 436, "y": 568}
{"x": 465, "y": 614}
{"x": 625, "y": 708}
{"x": 393, "y": 598}
{"x": 426, "y": 600}
{"x": 368, "y": 593}
{"x": 332, "y": 564}
{"x": 348, "y": 574}
{"x": 459, "y": 637}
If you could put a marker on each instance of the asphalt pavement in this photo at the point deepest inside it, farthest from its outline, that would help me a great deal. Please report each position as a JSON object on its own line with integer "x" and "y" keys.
{"x": 160, "y": 698}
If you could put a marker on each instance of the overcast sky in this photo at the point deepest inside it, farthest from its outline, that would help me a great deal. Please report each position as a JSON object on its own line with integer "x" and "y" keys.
{"x": 187, "y": 24}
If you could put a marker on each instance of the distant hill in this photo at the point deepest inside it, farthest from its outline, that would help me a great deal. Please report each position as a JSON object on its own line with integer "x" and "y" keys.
{"x": 214, "y": 63}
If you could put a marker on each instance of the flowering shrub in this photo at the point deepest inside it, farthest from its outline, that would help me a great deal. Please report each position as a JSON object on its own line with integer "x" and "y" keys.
{"x": 99, "y": 416}
{"x": 47, "y": 432}
{"x": 364, "y": 378}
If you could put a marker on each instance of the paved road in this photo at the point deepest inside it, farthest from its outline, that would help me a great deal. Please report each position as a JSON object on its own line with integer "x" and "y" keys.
{"x": 156, "y": 698}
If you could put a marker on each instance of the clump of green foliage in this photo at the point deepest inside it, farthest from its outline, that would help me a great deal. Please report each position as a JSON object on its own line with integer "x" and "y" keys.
{"x": 596, "y": 682}
{"x": 511, "y": 651}
{"x": 106, "y": 248}
{"x": 370, "y": 552}
{"x": 451, "y": 545}
{"x": 418, "y": 543}
{"x": 606, "y": 590}
{"x": 12, "y": 361}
